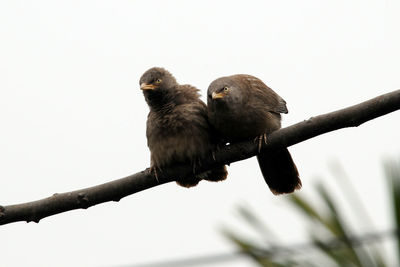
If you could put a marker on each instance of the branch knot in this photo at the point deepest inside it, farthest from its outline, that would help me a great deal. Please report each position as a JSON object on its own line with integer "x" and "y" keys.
{"x": 83, "y": 200}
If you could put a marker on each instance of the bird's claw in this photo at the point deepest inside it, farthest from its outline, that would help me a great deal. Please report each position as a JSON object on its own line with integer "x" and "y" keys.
{"x": 260, "y": 140}
{"x": 265, "y": 138}
{"x": 153, "y": 170}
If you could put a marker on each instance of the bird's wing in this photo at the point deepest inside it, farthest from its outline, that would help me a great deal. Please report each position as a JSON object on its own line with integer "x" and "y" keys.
{"x": 268, "y": 97}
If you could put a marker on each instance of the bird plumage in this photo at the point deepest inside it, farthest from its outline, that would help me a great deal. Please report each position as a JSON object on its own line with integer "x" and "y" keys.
{"x": 242, "y": 107}
{"x": 177, "y": 125}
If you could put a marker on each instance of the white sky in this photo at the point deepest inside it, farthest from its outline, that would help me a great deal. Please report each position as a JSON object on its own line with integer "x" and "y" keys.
{"x": 72, "y": 115}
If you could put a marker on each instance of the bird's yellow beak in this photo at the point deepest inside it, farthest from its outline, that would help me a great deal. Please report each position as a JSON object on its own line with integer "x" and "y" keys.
{"x": 217, "y": 95}
{"x": 146, "y": 86}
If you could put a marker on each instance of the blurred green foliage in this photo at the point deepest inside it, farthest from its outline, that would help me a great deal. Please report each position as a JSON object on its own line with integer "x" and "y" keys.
{"x": 331, "y": 241}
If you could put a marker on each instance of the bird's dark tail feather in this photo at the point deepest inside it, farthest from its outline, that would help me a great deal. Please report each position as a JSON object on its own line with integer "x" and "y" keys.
{"x": 279, "y": 171}
{"x": 217, "y": 174}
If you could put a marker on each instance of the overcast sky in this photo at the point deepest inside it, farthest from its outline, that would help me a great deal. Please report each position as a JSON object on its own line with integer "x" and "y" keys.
{"x": 72, "y": 116}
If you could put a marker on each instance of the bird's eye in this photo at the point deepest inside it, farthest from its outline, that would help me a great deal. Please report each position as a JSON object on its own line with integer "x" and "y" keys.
{"x": 158, "y": 81}
{"x": 225, "y": 89}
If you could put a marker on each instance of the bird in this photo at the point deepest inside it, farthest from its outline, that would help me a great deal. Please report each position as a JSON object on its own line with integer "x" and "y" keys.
{"x": 241, "y": 107}
{"x": 177, "y": 128}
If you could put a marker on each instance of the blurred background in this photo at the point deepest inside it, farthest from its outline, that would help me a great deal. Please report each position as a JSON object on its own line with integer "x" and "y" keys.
{"x": 72, "y": 116}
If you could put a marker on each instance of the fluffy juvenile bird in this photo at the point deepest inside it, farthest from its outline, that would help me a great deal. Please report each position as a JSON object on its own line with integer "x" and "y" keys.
{"x": 177, "y": 126}
{"x": 241, "y": 107}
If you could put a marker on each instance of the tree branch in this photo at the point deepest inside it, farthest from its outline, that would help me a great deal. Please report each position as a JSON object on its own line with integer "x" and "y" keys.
{"x": 115, "y": 190}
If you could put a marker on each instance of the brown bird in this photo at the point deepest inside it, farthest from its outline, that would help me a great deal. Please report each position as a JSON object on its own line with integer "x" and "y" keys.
{"x": 241, "y": 107}
{"x": 178, "y": 130}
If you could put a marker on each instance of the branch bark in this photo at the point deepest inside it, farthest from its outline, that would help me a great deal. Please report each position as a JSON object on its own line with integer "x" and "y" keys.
{"x": 352, "y": 116}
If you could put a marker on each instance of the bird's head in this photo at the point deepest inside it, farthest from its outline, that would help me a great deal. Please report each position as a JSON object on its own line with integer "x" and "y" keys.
{"x": 157, "y": 85}
{"x": 225, "y": 90}
{"x": 156, "y": 80}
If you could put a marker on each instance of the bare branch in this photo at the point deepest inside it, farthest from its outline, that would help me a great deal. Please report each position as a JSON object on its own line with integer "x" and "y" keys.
{"x": 115, "y": 190}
